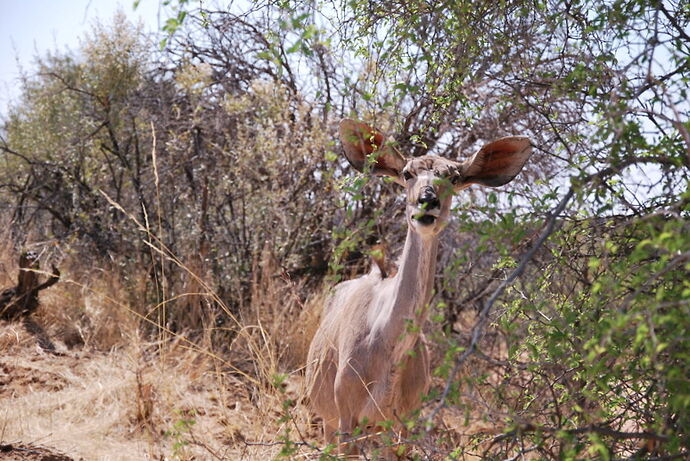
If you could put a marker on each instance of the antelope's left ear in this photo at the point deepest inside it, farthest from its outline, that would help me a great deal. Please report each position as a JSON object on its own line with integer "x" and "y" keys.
{"x": 497, "y": 163}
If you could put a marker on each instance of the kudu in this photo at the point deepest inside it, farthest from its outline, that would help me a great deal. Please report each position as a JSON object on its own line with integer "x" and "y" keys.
{"x": 368, "y": 361}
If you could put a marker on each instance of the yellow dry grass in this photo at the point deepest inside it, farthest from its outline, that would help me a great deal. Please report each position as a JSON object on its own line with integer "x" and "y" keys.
{"x": 117, "y": 391}
{"x": 112, "y": 394}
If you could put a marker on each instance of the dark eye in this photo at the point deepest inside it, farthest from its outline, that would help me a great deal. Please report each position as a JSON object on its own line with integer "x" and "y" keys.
{"x": 455, "y": 179}
{"x": 407, "y": 175}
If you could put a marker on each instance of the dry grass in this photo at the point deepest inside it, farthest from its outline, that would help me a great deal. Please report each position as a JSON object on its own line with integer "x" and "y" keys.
{"x": 116, "y": 391}
{"x": 112, "y": 394}
{"x": 120, "y": 406}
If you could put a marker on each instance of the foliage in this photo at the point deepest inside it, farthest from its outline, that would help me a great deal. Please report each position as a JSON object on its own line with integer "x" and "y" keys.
{"x": 597, "y": 327}
{"x": 222, "y": 151}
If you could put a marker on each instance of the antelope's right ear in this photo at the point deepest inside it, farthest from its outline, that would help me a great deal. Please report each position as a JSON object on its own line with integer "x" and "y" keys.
{"x": 363, "y": 144}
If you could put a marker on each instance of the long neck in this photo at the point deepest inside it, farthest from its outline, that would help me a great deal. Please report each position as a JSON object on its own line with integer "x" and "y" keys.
{"x": 415, "y": 279}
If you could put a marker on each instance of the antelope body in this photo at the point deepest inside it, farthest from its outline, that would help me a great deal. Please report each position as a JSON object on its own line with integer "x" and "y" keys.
{"x": 368, "y": 361}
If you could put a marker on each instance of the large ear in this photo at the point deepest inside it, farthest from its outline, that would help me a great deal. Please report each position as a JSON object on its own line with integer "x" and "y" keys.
{"x": 497, "y": 163}
{"x": 360, "y": 141}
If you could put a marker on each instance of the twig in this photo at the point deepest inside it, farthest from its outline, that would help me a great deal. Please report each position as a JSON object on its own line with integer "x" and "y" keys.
{"x": 483, "y": 319}
{"x": 549, "y": 227}
{"x": 602, "y": 430}
{"x": 681, "y": 455}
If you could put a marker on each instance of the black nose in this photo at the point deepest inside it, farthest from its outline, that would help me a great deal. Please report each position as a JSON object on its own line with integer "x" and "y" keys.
{"x": 428, "y": 199}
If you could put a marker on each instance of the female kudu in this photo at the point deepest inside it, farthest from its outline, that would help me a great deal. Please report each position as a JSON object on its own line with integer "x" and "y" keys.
{"x": 368, "y": 361}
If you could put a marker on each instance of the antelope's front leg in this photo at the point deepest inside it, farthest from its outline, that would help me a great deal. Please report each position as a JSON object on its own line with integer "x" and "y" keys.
{"x": 351, "y": 396}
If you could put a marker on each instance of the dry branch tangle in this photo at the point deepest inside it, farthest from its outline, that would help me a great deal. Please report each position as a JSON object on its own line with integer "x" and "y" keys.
{"x": 22, "y": 299}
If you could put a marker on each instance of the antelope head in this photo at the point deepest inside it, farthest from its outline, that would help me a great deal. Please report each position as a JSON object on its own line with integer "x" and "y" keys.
{"x": 430, "y": 181}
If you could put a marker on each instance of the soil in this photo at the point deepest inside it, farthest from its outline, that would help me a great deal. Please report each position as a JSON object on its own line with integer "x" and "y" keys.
{"x": 21, "y": 379}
